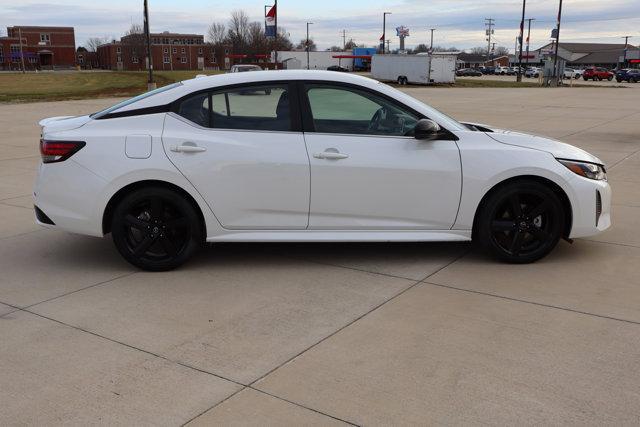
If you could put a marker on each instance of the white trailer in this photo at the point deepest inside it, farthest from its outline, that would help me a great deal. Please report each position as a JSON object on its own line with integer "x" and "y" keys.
{"x": 318, "y": 60}
{"x": 437, "y": 67}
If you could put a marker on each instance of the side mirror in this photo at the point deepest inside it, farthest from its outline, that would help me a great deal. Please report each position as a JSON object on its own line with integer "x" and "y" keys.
{"x": 426, "y": 129}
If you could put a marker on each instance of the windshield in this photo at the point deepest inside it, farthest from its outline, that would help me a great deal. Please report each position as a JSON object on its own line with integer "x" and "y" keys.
{"x": 134, "y": 99}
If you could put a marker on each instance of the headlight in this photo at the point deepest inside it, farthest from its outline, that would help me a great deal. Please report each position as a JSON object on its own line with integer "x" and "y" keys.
{"x": 588, "y": 170}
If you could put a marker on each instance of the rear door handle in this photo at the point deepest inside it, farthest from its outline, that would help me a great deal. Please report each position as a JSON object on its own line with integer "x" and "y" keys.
{"x": 330, "y": 155}
{"x": 187, "y": 148}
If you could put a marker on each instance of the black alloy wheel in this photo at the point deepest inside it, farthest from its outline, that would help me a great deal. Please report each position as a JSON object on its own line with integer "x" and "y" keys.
{"x": 521, "y": 222}
{"x": 156, "y": 229}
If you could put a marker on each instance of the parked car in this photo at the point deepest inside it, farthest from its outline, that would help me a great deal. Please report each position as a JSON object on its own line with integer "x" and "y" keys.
{"x": 501, "y": 70}
{"x": 347, "y": 158}
{"x": 534, "y": 72}
{"x": 488, "y": 70}
{"x": 571, "y": 73}
{"x": 468, "y": 72}
{"x": 240, "y": 68}
{"x": 597, "y": 73}
{"x": 337, "y": 68}
{"x": 631, "y": 75}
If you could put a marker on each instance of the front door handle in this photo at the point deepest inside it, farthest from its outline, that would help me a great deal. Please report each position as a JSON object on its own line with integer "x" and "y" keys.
{"x": 187, "y": 148}
{"x": 331, "y": 155}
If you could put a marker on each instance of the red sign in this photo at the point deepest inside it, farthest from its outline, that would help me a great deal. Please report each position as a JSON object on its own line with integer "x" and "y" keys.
{"x": 528, "y": 56}
{"x": 635, "y": 61}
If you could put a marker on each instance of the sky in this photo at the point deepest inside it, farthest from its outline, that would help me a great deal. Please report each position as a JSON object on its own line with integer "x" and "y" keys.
{"x": 459, "y": 23}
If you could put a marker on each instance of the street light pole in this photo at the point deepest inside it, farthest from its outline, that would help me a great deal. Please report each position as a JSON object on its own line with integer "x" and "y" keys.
{"x": 626, "y": 46}
{"x": 556, "y": 73}
{"x": 308, "y": 23}
{"x": 384, "y": 28}
{"x": 519, "y": 78}
{"x": 529, "y": 37}
{"x": 150, "y": 84}
{"x": 431, "y": 44}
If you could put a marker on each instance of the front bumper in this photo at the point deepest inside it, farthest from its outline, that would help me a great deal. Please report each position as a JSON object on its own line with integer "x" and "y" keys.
{"x": 591, "y": 207}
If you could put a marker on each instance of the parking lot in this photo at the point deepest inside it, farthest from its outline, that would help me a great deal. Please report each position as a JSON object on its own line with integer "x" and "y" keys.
{"x": 320, "y": 334}
{"x": 566, "y": 82}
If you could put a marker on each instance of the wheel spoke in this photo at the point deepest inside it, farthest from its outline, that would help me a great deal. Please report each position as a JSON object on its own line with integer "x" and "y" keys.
{"x": 142, "y": 247}
{"x": 516, "y": 244}
{"x": 135, "y": 222}
{"x": 539, "y": 234}
{"x": 514, "y": 200}
{"x": 156, "y": 208}
{"x": 542, "y": 207}
{"x": 168, "y": 245}
{"x": 502, "y": 225}
{"x": 177, "y": 223}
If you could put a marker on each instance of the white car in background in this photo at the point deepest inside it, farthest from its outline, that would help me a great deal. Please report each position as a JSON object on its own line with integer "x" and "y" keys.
{"x": 572, "y": 73}
{"x": 311, "y": 156}
{"x": 501, "y": 70}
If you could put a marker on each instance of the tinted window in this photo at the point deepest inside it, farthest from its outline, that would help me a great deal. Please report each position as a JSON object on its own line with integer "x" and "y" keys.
{"x": 113, "y": 108}
{"x": 259, "y": 107}
{"x": 196, "y": 109}
{"x": 352, "y": 111}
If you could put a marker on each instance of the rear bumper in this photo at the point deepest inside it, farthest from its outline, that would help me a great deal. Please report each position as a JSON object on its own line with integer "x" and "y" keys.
{"x": 66, "y": 194}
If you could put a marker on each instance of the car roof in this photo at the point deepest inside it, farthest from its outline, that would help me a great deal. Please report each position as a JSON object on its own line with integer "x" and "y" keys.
{"x": 219, "y": 80}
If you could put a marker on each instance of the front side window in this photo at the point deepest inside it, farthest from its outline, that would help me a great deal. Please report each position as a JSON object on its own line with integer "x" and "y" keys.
{"x": 255, "y": 107}
{"x": 336, "y": 109}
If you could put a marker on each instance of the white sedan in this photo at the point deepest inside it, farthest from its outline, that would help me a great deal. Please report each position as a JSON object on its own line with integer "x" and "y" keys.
{"x": 307, "y": 156}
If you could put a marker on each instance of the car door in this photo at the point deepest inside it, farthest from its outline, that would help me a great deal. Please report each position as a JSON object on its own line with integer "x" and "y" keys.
{"x": 367, "y": 171}
{"x": 243, "y": 150}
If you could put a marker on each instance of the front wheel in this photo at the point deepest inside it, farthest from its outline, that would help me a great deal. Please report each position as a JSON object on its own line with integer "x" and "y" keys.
{"x": 156, "y": 229}
{"x": 521, "y": 222}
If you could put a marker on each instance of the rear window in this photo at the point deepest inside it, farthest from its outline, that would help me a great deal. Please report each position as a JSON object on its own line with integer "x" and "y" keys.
{"x": 113, "y": 108}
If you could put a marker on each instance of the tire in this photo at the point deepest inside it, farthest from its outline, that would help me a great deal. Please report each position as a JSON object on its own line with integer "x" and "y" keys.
{"x": 586, "y": 79}
{"x": 156, "y": 229}
{"x": 521, "y": 222}
{"x": 619, "y": 80}
{"x": 610, "y": 78}
{"x": 577, "y": 76}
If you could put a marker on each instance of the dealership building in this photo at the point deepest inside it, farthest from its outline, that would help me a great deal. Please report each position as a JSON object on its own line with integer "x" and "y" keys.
{"x": 41, "y": 48}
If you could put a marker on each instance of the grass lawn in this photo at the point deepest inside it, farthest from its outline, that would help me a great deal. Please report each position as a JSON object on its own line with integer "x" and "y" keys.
{"x": 50, "y": 86}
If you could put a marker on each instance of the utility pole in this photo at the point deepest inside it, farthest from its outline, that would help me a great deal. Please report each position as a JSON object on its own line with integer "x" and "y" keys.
{"x": 21, "y": 53}
{"x": 384, "y": 28}
{"x": 308, "y": 47}
{"x": 150, "y": 84}
{"x": 344, "y": 39}
{"x": 524, "y": 6}
{"x": 556, "y": 73}
{"x": 528, "y": 37}
{"x": 431, "y": 45}
{"x": 388, "y": 43}
{"x": 488, "y": 22}
{"x": 275, "y": 36}
{"x": 626, "y": 45}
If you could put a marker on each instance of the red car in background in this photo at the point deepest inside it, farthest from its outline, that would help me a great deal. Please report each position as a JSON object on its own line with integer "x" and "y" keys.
{"x": 597, "y": 73}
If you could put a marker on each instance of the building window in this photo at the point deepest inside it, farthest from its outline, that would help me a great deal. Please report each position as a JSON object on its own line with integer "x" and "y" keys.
{"x": 166, "y": 60}
{"x": 1, "y": 55}
{"x": 45, "y": 38}
{"x": 165, "y": 50}
{"x": 33, "y": 59}
{"x": 200, "y": 50}
{"x": 80, "y": 59}
{"x": 134, "y": 59}
{"x": 183, "y": 59}
{"x": 118, "y": 49}
{"x": 15, "y": 52}
{"x": 174, "y": 50}
{"x": 119, "y": 59}
{"x": 183, "y": 50}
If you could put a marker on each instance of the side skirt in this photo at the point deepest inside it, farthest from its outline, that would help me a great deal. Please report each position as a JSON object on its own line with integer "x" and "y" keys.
{"x": 343, "y": 236}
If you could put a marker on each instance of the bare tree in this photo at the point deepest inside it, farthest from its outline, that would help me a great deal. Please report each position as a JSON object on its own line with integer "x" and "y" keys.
{"x": 134, "y": 41}
{"x": 303, "y": 45}
{"x": 445, "y": 49}
{"x": 478, "y": 50}
{"x": 335, "y": 49}
{"x": 217, "y": 33}
{"x": 501, "y": 51}
{"x": 350, "y": 44}
{"x": 239, "y": 30}
{"x": 94, "y": 42}
{"x": 256, "y": 40}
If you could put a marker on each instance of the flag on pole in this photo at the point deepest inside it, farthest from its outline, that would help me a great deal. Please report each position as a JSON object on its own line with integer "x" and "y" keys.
{"x": 270, "y": 22}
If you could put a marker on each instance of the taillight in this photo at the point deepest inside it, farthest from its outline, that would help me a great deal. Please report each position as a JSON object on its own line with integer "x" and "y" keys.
{"x": 58, "y": 151}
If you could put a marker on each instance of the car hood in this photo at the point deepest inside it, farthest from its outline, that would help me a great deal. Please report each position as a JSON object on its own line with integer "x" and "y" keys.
{"x": 61, "y": 123}
{"x": 559, "y": 150}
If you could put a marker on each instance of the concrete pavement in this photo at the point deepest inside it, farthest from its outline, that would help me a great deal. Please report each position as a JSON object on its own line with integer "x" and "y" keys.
{"x": 324, "y": 334}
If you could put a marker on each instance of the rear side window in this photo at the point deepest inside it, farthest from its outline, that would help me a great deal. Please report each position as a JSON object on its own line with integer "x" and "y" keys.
{"x": 196, "y": 109}
{"x": 259, "y": 107}
{"x": 255, "y": 107}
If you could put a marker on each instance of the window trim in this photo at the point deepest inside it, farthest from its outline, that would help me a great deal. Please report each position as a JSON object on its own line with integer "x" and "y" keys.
{"x": 294, "y": 106}
{"x": 307, "y": 116}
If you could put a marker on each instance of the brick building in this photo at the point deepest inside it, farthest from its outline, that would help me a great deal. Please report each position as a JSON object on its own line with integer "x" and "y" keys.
{"x": 170, "y": 51}
{"x": 42, "y": 48}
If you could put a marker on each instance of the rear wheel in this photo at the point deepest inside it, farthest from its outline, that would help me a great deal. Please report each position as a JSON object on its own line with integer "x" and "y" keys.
{"x": 521, "y": 222}
{"x": 610, "y": 78}
{"x": 156, "y": 229}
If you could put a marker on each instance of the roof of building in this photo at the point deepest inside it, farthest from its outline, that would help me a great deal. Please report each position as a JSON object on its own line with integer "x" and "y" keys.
{"x": 40, "y": 27}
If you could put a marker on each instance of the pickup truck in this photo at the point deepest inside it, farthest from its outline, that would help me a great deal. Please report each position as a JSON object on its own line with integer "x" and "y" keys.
{"x": 597, "y": 73}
